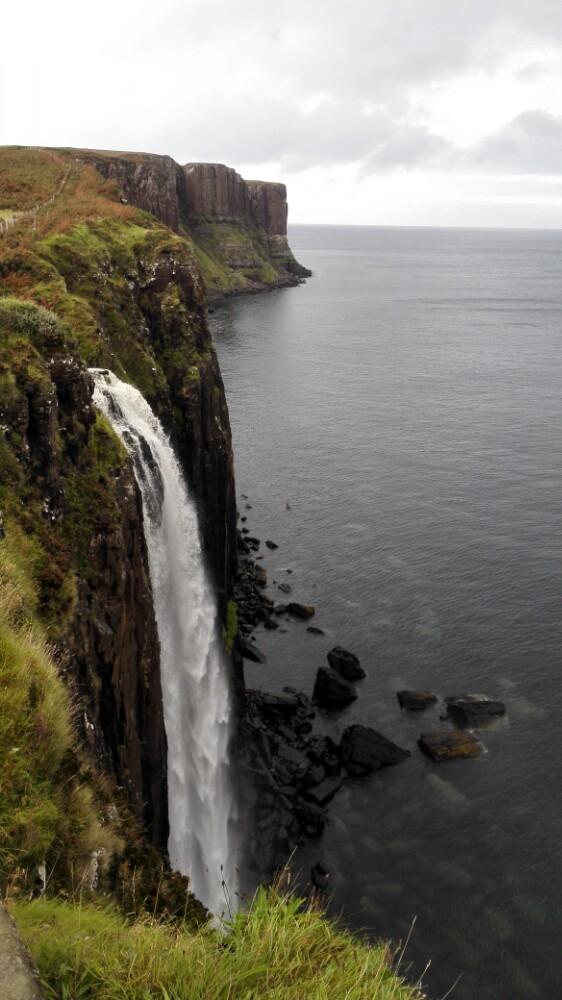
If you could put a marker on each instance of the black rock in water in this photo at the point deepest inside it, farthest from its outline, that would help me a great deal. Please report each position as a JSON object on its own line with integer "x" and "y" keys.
{"x": 251, "y": 652}
{"x": 331, "y": 690}
{"x": 300, "y": 610}
{"x": 346, "y": 664}
{"x": 474, "y": 709}
{"x": 319, "y": 876}
{"x": 364, "y": 751}
{"x": 416, "y": 701}
{"x": 270, "y": 544}
{"x": 322, "y": 793}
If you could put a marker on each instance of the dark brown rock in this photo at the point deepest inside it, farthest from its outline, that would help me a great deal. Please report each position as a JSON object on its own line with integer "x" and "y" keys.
{"x": 416, "y": 701}
{"x": 300, "y": 610}
{"x": 451, "y": 745}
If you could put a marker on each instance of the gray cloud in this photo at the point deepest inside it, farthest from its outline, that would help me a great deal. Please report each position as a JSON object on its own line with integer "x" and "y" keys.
{"x": 529, "y": 144}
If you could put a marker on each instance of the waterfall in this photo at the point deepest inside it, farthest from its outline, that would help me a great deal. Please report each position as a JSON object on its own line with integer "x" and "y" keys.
{"x": 195, "y": 688}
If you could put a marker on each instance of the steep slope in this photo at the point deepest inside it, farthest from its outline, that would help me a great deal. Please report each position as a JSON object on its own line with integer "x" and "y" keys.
{"x": 115, "y": 289}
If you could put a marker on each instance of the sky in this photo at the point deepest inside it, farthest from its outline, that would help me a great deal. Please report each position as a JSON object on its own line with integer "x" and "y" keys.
{"x": 386, "y": 112}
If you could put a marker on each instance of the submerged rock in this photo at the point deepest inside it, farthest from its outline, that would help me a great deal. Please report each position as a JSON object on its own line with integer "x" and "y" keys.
{"x": 300, "y": 610}
{"x": 416, "y": 701}
{"x": 346, "y": 664}
{"x": 448, "y": 746}
{"x": 331, "y": 690}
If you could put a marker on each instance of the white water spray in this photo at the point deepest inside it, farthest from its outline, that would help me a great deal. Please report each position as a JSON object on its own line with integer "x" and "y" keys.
{"x": 195, "y": 687}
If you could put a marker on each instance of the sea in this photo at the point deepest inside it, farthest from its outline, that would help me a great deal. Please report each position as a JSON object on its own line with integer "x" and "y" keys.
{"x": 397, "y": 425}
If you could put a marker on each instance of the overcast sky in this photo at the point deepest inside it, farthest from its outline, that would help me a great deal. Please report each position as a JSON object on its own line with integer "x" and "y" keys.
{"x": 394, "y": 112}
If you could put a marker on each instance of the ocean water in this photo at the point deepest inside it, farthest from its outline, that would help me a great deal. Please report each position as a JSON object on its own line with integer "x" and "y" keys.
{"x": 397, "y": 427}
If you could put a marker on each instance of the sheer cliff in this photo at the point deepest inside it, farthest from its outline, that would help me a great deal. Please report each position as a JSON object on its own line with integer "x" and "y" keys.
{"x": 238, "y": 227}
{"x": 87, "y": 281}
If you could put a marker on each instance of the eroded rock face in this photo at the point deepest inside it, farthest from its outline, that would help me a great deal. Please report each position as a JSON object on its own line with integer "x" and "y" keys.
{"x": 153, "y": 183}
{"x": 216, "y": 190}
{"x": 115, "y": 660}
{"x": 268, "y": 201}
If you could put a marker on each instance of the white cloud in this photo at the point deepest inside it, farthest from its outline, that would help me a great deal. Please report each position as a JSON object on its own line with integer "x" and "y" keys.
{"x": 387, "y": 92}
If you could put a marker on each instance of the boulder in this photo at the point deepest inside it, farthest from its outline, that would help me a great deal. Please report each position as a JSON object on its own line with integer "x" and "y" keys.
{"x": 280, "y": 702}
{"x": 416, "y": 701}
{"x": 450, "y": 745}
{"x": 319, "y": 876}
{"x": 314, "y": 630}
{"x": 251, "y": 652}
{"x": 300, "y": 610}
{"x": 270, "y": 544}
{"x": 364, "y": 751}
{"x": 474, "y": 709}
{"x": 331, "y": 690}
{"x": 346, "y": 664}
{"x": 322, "y": 793}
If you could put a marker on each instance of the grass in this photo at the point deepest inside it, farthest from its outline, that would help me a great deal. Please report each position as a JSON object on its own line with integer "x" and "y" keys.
{"x": 221, "y": 248}
{"x": 276, "y": 950}
{"x": 45, "y": 805}
{"x": 231, "y": 630}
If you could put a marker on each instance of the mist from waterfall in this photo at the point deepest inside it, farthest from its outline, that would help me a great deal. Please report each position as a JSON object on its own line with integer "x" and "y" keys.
{"x": 194, "y": 671}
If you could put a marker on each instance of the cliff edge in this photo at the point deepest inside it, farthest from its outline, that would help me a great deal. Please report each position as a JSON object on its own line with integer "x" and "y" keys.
{"x": 238, "y": 227}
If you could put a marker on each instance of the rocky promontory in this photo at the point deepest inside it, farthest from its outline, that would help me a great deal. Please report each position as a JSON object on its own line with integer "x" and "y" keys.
{"x": 238, "y": 227}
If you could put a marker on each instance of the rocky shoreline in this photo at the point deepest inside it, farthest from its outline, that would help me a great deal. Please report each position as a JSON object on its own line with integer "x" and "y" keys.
{"x": 289, "y": 770}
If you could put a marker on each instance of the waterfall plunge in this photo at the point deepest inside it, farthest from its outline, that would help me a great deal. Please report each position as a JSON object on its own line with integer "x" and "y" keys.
{"x": 194, "y": 671}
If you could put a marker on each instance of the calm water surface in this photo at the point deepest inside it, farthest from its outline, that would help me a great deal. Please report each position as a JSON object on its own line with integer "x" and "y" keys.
{"x": 397, "y": 426}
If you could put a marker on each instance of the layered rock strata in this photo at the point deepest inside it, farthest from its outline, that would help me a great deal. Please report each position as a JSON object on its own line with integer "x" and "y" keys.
{"x": 239, "y": 227}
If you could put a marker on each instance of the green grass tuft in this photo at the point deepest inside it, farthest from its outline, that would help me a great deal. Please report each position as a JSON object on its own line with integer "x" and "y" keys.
{"x": 277, "y": 950}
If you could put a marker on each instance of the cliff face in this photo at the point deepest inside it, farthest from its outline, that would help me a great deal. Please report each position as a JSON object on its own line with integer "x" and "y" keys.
{"x": 218, "y": 191}
{"x": 148, "y": 182}
{"x": 269, "y": 206}
{"x": 215, "y": 190}
{"x": 82, "y": 506}
{"x": 125, "y": 293}
{"x": 238, "y": 227}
